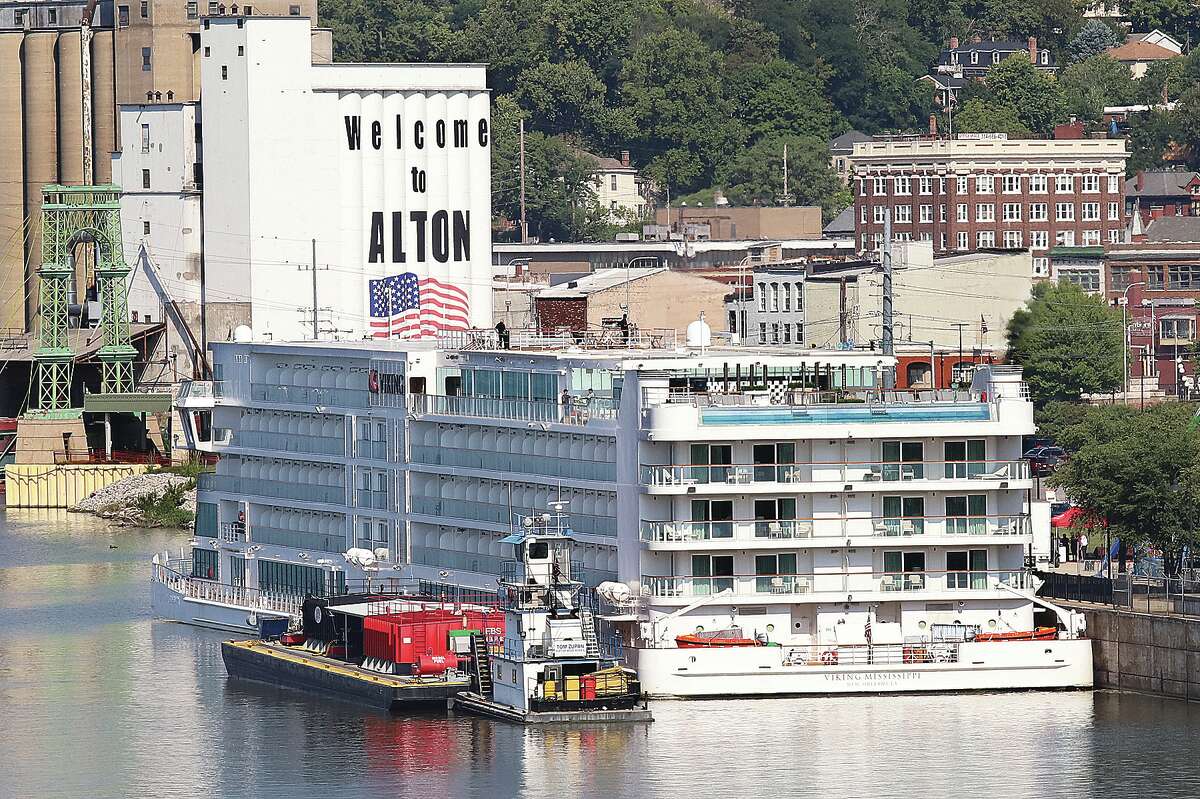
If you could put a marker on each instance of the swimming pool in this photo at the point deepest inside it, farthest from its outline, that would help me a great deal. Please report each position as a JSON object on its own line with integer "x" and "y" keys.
{"x": 975, "y": 412}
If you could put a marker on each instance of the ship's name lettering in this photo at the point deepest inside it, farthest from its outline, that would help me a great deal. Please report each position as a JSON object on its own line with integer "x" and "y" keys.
{"x": 872, "y": 676}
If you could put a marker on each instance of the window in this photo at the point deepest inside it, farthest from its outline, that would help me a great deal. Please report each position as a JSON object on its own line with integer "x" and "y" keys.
{"x": 1039, "y": 239}
{"x": 145, "y": 228}
{"x": 985, "y": 238}
{"x": 963, "y": 213}
{"x": 291, "y": 578}
{"x": 207, "y": 51}
{"x": 774, "y": 333}
{"x": 52, "y": 15}
{"x": 965, "y": 458}
{"x": 145, "y": 138}
{"x": 193, "y": 10}
{"x": 903, "y": 460}
{"x": 799, "y": 333}
{"x": 903, "y": 184}
{"x": 762, "y": 332}
{"x": 985, "y": 212}
{"x": 713, "y": 461}
{"x": 762, "y": 296}
{"x": 974, "y": 56}
{"x": 1091, "y": 238}
{"x": 711, "y": 574}
{"x": 1171, "y": 331}
{"x": 205, "y": 563}
{"x": 995, "y": 56}
{"x": 787, "y": 334}
{"x": 904, "y": 213}
{"x": 1012, "y": 184}
{"x": 1115, "y": 236}
{"x": 904, "y": 571}
{"x": 1012, "y": 239}
{"x": 612, "y": 183}
{"x": 926, "y": 213}
{"x": 1114, "y": 184}
{"x": 941, "y": 241}
{"x": 1183, "y": 276}
{"x": 962, "y": 184}
{"x": 862, "y": 213}
{"x": 224, "y": 72}
{"x": 1120, "y": 277}
{"x": 1091, "y": 184}
{"x": 145, "y": 178}
{"x": 985, "y": 184}
{"x": 1114, "y": 212}
{"x": 145, "y": 59}
{"x": 1089, "y": 212}
{"x": 880, "y": 187}
{"x": 212, "y": 7}
{"x": 1065, "y": 238}
{"x": 774, "y": 296}
{"x": 880, "y": 214}
{"x": 775, "y": 574}
{"x": 902, "y": 516}
{"x": 1154, "y": 277}
{"x": 942, "y": 212}
{"x": 1086, "y": 279}
{"x": 242, "y": 51}
{"x": 966, "y": 515}
{"x": 145, "y": 9}
{"x": 787, "y": 296}
{"x": 1012, "y": 212}
{"x": 925, "y": 235}
{"x": 964, "y": 240}
{"x": 1037, "y": 212}
{"x": 926, "y": 185}
{"x": 294, "y": 11}
{"x": 1037, "y": 184}
{"x": 1041, "y": 266}
{"x": 123, "y": 16}
{"x": 1064, "y": 184}
{"x": 966, "y": 569}
{"x": 1064, "y": 212}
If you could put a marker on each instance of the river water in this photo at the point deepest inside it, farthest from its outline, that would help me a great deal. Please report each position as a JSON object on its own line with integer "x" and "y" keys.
{"x": 99, "y": 700}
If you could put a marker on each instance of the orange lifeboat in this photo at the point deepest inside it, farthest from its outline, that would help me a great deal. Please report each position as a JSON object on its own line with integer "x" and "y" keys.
{"x": 716, "y": 638}
{"x": 1040, "y": 634}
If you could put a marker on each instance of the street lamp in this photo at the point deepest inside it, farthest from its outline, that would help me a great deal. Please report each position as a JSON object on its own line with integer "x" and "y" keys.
{"x": 1125, "y": 343}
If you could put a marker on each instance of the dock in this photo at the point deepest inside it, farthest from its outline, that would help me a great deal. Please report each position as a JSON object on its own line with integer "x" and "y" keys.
{"x": 285, "y": 667}
{"x": 470, "y": 702}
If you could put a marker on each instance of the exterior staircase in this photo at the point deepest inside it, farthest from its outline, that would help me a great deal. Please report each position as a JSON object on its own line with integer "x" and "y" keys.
{"x": 483, "y": 666}
{"x": 589, "y": 633}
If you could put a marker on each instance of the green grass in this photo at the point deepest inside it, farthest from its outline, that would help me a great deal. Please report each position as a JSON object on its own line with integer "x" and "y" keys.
{"x": 165, "y": 509}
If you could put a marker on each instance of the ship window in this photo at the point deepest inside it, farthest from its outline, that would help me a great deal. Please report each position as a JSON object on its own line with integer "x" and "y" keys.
{"x": 205, "y": 563}
{"x": 539, "y": 550}
{"x": 965, "y": 458}
{"x": 903, "y": 460}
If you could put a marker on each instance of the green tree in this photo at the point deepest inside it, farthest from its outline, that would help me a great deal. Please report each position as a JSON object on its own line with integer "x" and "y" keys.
{"x": 1093, "y": 39}
{"x": 1090, "y": 85}
{"x": 569, "y": 98}
{"x": 781, "y": 98}
{"x": 1053, "y": 22}
{"x": 1180, "y": 18}
{"x": 1160, "y": 76}
{"x": 502, "y": 36}
{"x": 978, "y": 116}
{"x": 1035, "y": 95}
{"x": 389, "y": 30}
{"x": 596, "y": 32}
{"x": 1068, "y": 343}
{"x": 755, "y": 175}
{"x": 1150, "y": 136}
{"x": 1187, "y": 125}
{"x": 1140, "y": 472}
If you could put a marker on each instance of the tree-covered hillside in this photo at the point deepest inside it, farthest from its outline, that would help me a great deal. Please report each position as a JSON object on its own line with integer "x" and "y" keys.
{"x": 705, "y": 94}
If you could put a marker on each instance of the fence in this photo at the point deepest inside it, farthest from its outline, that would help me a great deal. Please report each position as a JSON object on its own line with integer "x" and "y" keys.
{"x": 1164, "y": 596}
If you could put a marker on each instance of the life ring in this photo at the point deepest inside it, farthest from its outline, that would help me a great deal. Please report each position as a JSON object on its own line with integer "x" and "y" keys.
{"x": 829, "y": 657}
{"x": 252, "y": 620}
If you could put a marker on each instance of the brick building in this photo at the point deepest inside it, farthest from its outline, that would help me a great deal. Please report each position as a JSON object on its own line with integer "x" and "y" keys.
{"x": 1170, "y": 192}
{"x": 970, "y": 194}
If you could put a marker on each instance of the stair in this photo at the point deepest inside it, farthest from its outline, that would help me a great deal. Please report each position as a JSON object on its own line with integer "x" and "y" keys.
{"x": 589, "y": 633}
{"x": 483, "y": 667}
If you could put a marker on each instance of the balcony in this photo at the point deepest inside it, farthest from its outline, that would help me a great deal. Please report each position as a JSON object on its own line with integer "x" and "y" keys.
{"x": 275, "y": 489}
{"x": 310, "y": 395}
{"x": 370, "y": 450}
{"x": 461, "y": 509}
{"x": 598, "y": 411}
{"x": 825, "y": 530}
{"x": 289, "y": 442}
{"x": 791, "y": 585}
{"x": 683, "y": 476}
{"x": 366, "y": 498}
{"x": 233, "y": 532}
{"x": 542, "y": 465}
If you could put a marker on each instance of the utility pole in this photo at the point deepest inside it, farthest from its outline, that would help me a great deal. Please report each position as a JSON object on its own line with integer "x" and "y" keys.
{"x": 960, "y": 326}
{"x": 787, "y": 198}
{"x": 316, "y": 325}
{"x": 889, "y": 374}
{"x": 524, "y": 222}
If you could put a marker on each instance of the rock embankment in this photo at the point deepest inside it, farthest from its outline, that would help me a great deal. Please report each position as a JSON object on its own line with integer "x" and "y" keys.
{"x": 119, "y": 501}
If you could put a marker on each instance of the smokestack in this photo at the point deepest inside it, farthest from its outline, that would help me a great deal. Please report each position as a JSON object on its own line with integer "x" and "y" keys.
{"x": 933, "y": 125}
{"x": 953, "y": 42}
{"x": 1141, "y": 180}
{"x": 625, "y": 158}
{"x": 1033, "y": 54}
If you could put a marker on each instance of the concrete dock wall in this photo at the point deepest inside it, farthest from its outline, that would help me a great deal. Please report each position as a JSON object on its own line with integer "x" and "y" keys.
{"x": 1145, "y": 653}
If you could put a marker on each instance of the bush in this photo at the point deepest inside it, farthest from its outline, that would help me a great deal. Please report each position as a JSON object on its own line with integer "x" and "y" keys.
{"x": 165, "y": 509}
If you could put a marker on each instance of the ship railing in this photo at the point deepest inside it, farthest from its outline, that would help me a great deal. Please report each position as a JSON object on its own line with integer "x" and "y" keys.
{"x": 579, "y": 411}
{"x": 833, "y": 527}
{"x": 800, "y": 397}
{"x": 597, "y": 338}
{"x": 908, "y": 653}
{"x": 224, "y": 593}
{"x": 739, "y": 474}
{"x": 663, "y": 587}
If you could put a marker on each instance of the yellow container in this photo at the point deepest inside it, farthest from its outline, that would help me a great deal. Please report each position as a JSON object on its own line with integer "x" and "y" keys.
{"x": 549, "y": 689}
{"x": 573, "y": 694}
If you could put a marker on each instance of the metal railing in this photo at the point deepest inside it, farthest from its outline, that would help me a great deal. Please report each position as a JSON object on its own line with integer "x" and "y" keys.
{"x": 870, "y": 654}
{"x": 225, "y": 594}
{"x": 535, "y": 339}
{"x": 802, "y": 397}
{"x": 788, "y": 529}
{"x": 542, "y": 465}
{"x": 233, "y": 532}
{"x": 366, "y": 498}
{"x": 373, "y": 450}
{"x": 298, "y": 539}
{"x": 577, "y": 413}
{"x": 1164, "y": 596}
{"x": 836, "y": 582}
{"x": 256, "y": 486}
{"x": 289, "y": 442}
{"x": 503, "y": 514}
{"x": 310, "y": 395}
{"x": 831, "y": 472}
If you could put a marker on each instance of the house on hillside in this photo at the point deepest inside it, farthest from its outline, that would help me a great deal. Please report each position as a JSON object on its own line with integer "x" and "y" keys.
{"x": 618, "y": 187}
{"x": 1140, "y": 50}
{"x": 1162, "y": 193}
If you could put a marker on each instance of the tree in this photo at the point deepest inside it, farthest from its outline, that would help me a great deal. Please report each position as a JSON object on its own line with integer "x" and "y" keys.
{"x": 1090, "y": 85}
{"x": 1068, "y": 343}
{"x": 1150, "y": 135}
{"x": 568, "y": 98}
{"x": 780, "y": 98}
{"x": 755, "y": 175}
{"x": 1093, "y": 39}
{"x": 389, "y": 30}
{"x": 1161, "y": 77}
{"x": 978, "y": 116}
{"x": 1035, "y": 95}
{"x": 1180, "y": 18}
{"x": 1053, "y": 22}
{"x": 1140, "y": 472}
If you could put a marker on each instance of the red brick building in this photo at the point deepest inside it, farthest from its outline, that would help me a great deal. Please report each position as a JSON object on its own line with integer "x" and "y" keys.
{"x": 971, "y": 194}
{"x": 1172, "y": 192}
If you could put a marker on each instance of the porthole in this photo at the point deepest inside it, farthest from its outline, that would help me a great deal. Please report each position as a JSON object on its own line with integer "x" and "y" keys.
{"x": 991, "y": 624}
{"x": 770, "y": 628}
{"x": 922, "y": 625}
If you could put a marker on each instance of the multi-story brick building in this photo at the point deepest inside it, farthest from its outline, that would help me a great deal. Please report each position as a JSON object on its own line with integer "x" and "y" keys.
{"x": 971, "y": 194}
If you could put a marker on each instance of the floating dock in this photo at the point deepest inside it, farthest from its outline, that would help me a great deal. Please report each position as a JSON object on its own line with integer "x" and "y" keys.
{"x": 482, "y": 706}
{"x": 288, "y": 667}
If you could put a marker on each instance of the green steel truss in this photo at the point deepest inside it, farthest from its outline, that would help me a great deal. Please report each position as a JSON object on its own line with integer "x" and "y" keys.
{"x": 72, "y": 215}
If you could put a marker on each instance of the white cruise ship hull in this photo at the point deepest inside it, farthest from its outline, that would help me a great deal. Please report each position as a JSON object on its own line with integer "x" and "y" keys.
{"x": 765, "y": 671}
{"x": 173, "y": 605}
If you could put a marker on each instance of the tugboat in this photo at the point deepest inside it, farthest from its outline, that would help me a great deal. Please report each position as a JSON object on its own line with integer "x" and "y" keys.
{"x": 551, "y": 668}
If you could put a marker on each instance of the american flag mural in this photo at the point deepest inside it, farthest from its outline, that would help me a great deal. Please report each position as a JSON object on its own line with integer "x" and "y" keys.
{"x": 410, "y": 307}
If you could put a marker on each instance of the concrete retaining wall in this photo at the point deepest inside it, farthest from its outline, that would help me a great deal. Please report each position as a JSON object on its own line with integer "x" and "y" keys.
{"x": 1145, "y": 653}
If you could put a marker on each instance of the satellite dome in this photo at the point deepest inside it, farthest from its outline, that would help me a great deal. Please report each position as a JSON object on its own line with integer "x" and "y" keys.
{"x": 242, "y": 334}
{"x": 699, "y": 334}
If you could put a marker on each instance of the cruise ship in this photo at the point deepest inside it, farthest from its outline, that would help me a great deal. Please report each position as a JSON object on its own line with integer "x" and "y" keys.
{"x": 762, "y": 521}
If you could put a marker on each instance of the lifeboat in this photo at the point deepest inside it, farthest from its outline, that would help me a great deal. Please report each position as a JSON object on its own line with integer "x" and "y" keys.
{"x": 1040, "y": 634}
{"x": 716, "y": 638}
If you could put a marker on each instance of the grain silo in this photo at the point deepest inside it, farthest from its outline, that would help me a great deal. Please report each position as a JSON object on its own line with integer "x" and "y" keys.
{"x": 70, "y": 109}
{"x": 12, "y": 184}
{"x": 104, "y": 109}
{"x": 40, "y": 75}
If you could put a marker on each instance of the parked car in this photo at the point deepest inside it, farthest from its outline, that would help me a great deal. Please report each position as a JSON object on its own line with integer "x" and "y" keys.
{"x": 1042, "y": 460}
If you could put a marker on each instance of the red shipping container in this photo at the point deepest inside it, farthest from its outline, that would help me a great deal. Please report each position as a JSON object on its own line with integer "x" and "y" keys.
{"x": 587, "y": 686}
{"x": 405, "y": 637}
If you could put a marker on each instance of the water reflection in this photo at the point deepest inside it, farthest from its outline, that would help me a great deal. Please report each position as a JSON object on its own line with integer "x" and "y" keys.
{"x": 98, "y": 700}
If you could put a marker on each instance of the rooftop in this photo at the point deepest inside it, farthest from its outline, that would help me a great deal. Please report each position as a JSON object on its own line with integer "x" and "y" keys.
{"x": 600, "y": 280}
{"x": 846, "y": 141}
{"x": 1139, "y": 51}
{"x": 1161, "y": 183}
{"x": 1174, "y": 229}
